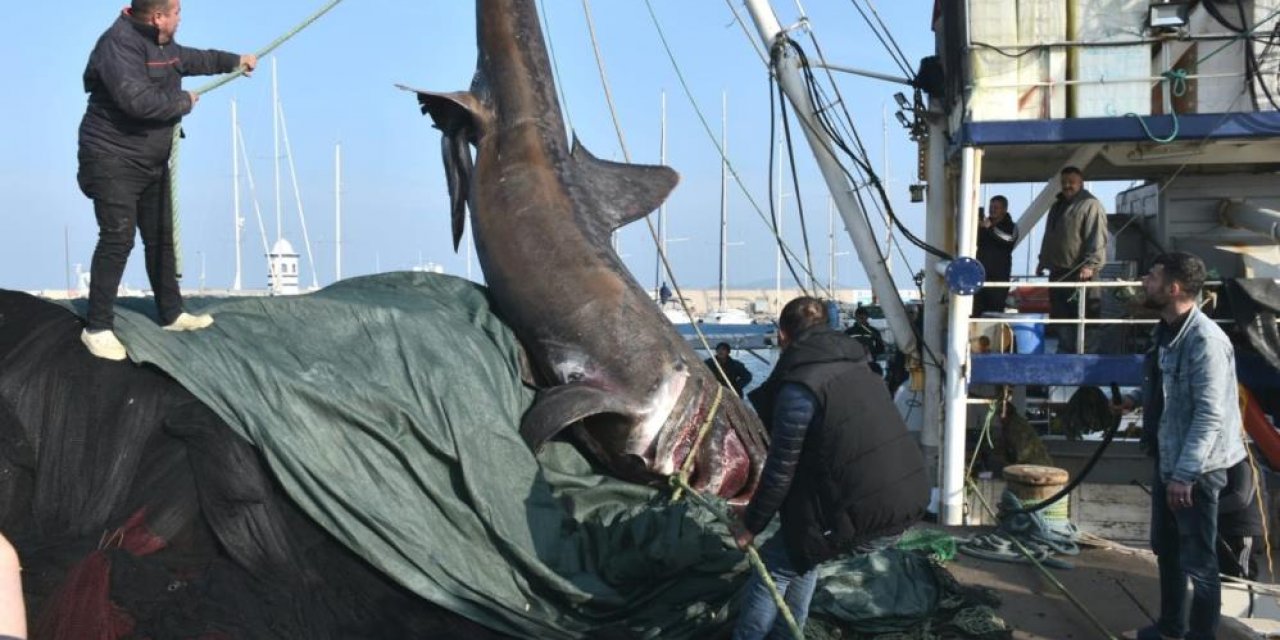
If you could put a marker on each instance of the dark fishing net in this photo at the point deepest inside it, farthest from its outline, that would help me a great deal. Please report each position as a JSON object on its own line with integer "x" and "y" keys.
{"x": 138, "y": 513}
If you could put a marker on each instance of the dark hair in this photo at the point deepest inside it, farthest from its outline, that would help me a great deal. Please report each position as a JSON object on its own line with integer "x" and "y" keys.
{"x": 1002, "y": 200}
{"x": 724, "y": 345}
{"x": 1073, "y": 170}
{"x": 803, "y": 313}
{"x": 144, "y": 8}
{"x": 1185, "y": 269}
{"x": 861, "y": 311}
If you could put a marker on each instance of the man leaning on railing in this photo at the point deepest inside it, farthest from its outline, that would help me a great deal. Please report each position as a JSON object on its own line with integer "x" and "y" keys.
{"x": 1073, "y": 250}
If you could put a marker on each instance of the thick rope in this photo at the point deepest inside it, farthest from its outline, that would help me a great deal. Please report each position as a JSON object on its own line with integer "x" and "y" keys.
{"x": 175, "y": 144}
{"x": 1047, "y": 574}
{"x": 753, "y": 556}
{"x": 703, "y": 430}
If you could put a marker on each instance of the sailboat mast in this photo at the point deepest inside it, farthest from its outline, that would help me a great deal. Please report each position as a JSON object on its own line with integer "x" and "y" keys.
{"x": 337, "y": 212}
{"x": 831, "y": 245}
{"x": 236, "y": 283}
{"x": 724, "y": 193}
{"x": 275, "y": 141}
{"x": 662, "y": 209}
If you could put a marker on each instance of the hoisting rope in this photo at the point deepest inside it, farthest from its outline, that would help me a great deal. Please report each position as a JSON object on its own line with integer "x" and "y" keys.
{"x": 753, "y": 556}
{"x": 653, "y": 230}
{"x": 177, "y": 130}
{"x": 703, "y": 430}
{"x": 680, "y": 481}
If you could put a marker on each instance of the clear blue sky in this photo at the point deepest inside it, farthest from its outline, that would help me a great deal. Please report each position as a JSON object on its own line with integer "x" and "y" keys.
{"x": 336, "y": 83}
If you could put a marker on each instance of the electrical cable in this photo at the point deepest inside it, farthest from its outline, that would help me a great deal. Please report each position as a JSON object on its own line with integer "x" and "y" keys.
{"x": 773, "y": 212}
{"x": 795, "y": 182}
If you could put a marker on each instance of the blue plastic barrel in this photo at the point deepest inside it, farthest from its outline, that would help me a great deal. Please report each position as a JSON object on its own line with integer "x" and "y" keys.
{"x": 1028, "y": 337}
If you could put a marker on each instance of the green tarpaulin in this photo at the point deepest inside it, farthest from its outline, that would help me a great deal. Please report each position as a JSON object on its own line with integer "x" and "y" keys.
{"x": 388, "y": 408}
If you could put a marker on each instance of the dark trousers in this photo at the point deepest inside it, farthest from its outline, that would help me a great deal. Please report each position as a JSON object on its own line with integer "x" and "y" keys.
{"x": 128, "y": 199}
{"x": 1062, "y": 306}
{"x": 990, "y": 299}
{"x": 1235, "y": 556}
{"x": 1185, "y": 542}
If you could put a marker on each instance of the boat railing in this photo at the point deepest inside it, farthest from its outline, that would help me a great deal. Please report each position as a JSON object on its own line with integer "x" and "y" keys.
{"x": 1081, "y": 321}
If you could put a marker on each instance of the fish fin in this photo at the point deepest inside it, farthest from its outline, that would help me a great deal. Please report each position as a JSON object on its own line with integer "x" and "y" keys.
{"x": 627, "y": 192}
{"x": 457, "y": 115}
{"x": 559, "y": 408}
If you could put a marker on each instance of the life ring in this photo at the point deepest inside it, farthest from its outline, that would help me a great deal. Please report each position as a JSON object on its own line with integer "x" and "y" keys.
{"x": 1259, "y": 428}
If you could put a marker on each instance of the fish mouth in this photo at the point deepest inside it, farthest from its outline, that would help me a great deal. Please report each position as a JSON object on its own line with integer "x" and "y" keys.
{"x": 718, "y": 445}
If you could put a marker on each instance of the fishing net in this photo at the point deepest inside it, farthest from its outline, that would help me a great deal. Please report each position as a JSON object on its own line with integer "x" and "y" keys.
{"x": 339, "y": 465}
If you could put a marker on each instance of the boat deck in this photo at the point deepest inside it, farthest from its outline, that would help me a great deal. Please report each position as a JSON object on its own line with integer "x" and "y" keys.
{"x": 1038, "y": 611}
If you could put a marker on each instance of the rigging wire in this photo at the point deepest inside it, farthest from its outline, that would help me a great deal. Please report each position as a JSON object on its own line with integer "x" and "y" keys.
{"x": 889, "y": 34}
{"x": 684, "y": 85}
{"x": 795, "y": 182}
{"x": 755, "y": 45}
{"x": 824, "y": 122}
{"x": 773, "y": 212}
{"x": 555, "y": 64}
{"x": 903, "y": 65}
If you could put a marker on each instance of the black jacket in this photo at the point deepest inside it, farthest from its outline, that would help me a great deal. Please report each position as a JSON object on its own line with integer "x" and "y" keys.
{"x": 1238, "y": 513}
{"x": 995, "y": 249}
{"x": 739, "y": 375}
{"x": 135, "y": 92}
{"x": 841, "y": 468}
{"x": 868, "y": 336}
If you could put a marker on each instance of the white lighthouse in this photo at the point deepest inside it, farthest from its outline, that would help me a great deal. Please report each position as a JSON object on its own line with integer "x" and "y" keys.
{"x": 282, "y": 278}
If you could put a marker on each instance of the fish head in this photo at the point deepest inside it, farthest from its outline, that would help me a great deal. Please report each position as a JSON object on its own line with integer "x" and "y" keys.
{"x": 689, "y": 426}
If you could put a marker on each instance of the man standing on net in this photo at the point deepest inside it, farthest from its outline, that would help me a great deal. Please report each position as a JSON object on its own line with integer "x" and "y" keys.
{"x": 134, "y": 81}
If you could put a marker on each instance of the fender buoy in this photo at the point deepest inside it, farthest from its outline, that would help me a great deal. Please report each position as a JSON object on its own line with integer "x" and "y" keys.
{"x": 1259, "y": 428}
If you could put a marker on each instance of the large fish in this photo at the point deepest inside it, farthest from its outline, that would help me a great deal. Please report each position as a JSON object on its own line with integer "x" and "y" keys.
{"x": 611, "y": 367}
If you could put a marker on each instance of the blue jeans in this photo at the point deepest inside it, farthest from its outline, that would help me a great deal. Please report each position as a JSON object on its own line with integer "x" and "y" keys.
{"x": 1185, "y": 544}
{"x": 758, "y": 617}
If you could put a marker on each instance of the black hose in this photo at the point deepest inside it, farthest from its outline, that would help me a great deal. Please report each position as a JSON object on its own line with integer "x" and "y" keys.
{"x": 1088, "y": 466}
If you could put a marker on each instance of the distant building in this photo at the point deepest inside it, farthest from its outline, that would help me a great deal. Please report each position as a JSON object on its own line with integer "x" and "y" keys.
{"x": 282, "y": 277}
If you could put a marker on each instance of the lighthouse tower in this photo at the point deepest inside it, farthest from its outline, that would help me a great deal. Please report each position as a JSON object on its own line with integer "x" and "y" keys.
{"x": 282, "y": 279}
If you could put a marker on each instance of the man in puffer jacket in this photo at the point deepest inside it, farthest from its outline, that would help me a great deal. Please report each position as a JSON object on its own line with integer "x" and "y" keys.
{"x": 842, "y": 469}
{"x": 134, "y": 82}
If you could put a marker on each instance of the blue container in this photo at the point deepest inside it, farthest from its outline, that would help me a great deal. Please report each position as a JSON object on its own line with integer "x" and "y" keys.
{"x": 1028, "y": 337}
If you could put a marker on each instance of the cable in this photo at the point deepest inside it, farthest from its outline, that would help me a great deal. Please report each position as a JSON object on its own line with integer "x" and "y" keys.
{"x": 795, "y": 182}
{"x": 824, "y": 122}
{"x": 176, "y": 142}
{"x": 555, "y": 64}
{"x": 847, "y": 123}
{"x": 889, "y": 34}
{"x": 903, "y": 65}
{"x": 688, "y": 92}
{"x": 755, "y": 45}
{"x": 773, "y": 212}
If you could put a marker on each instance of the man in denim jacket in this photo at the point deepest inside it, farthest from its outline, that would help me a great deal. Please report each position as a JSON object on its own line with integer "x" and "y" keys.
{"x": 1191, "y": 414}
